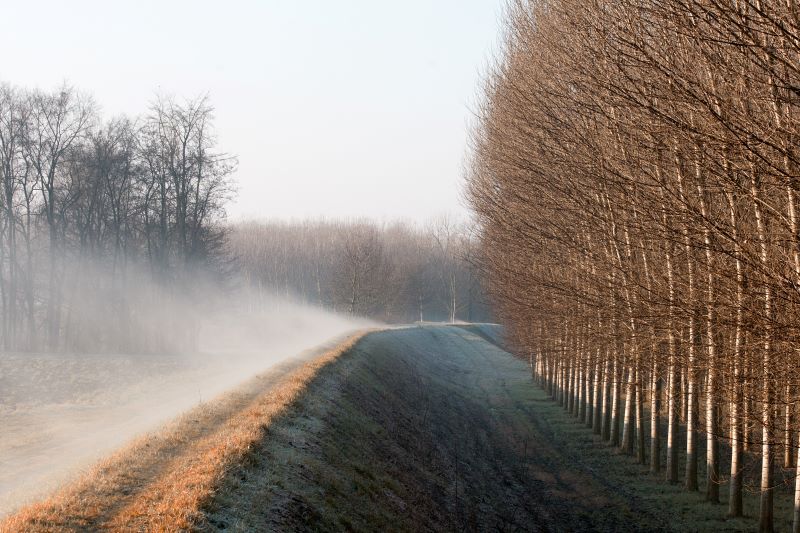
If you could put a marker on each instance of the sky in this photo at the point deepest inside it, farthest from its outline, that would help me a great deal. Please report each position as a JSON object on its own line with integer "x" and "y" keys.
{"x": 345, "y": 108}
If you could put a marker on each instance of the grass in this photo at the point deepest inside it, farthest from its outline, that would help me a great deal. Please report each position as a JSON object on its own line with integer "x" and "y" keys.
{"x": 319, "y": 465}
{"x": 160, "y": 482}
{"x": 684, "y": 510}
{"x": 429, "y": 428}
{"x": 419, "y": 429}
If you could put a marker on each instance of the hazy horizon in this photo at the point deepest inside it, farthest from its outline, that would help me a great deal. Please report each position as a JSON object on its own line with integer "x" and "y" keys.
{"x": 346, "y": 110}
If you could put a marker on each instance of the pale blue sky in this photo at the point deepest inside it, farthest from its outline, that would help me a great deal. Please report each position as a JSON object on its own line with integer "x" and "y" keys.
{"x": 334, "y": 108}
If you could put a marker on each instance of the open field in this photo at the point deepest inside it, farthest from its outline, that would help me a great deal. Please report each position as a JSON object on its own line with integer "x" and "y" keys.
{"x": 159, "y": 480}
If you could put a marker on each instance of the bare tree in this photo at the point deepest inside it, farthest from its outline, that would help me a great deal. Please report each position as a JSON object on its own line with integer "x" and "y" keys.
{"x": 635, "y": 184}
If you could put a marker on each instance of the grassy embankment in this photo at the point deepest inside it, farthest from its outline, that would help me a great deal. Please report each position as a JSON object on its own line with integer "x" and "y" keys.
{"x": 428, "y": 428}
{"x": 161, "y": 481}
{"x": 435, "y": 428}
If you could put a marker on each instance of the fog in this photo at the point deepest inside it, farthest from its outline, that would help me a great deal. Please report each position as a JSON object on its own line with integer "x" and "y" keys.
{"x": 60, "y": 412}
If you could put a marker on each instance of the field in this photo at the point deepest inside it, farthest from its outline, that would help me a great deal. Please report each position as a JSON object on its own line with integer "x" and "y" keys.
{"x": 60, "y": 413}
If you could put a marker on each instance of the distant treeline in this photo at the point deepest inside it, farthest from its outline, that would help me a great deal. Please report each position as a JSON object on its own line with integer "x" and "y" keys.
{"x": 113, "y": 234}
{"x": 101, "y": 218}
{"x": 392, "y": 272}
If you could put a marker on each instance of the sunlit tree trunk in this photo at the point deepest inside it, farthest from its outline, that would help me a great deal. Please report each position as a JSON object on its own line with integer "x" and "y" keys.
{"x": 597, "y": 408}
{"x": 616, "y": 396}
{"x": 640, "y": 433}
{"x": 608, "y": 379}
{"x": 794, "y": 227}
{"x": 692, "y": 334}
{"x": 766, "y": 519}
{"x": 673, "y": 395}
{"x": 735, "y": 508}
{"x": 712, "y": 431}
{"x": 655, "y": 418}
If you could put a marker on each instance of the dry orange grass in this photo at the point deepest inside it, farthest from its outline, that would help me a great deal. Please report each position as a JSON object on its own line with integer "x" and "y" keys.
{"x": 161, "y": 482}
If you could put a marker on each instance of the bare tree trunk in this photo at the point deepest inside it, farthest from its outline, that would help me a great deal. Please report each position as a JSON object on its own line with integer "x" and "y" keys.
{"x": 684, "y": 389}
{"x": 571, "y": 374}
{"x": 712, "y": 431}
{"x": 673, "y": 408}
{"x": 735, "y": 508}
{"x": 691, "y": 414}
{"x": 615, "y": 399}
{"x": 629, "y": 416}
{"x": 597, "y": 408}
{"x": 796, "y": 259}
{"x": 691, "y": 366}
{"x": 640, "y": 438}
{"x": 607, "y": 387}
{"x": 796, "y": 514}
{"x": 788, "y": 437}
{"x": 582, "y": 386}
{"x": 655, "y": 419}
{"x": 588, "y": 413}
{"x": 766, "y": 521}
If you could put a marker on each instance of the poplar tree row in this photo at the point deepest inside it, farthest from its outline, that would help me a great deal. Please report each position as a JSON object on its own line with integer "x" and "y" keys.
{"x": 102, "y": 219}
{"x": 636, "y": 177}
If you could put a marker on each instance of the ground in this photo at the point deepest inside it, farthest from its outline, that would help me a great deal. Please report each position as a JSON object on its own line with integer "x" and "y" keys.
{"x": 60, "y": 413}
{"x": 422, "y": 429}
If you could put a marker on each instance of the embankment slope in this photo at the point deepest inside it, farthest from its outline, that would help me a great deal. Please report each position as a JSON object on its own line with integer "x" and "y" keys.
{"x": 418, "y": 429}
{"x": 162, "y": 480}
{"x": 429, "y": 428}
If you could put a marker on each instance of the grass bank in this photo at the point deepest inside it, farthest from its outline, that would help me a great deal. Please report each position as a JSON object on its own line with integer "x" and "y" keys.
{"x": 422, "y": 429}
{"x": 162, "y": 481}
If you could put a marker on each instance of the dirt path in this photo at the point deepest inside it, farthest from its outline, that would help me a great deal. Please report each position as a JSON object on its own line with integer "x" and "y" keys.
{"x": 423, "y": 429}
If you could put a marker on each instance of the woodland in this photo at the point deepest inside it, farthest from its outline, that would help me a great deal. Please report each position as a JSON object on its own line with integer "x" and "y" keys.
{"x": 114, "y": 235}
{"x": 394, "y": 272}
{"x": 101, "y": 219}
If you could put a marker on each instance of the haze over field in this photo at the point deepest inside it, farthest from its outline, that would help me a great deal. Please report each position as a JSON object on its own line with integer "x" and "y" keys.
{"x": 60, "y": 412}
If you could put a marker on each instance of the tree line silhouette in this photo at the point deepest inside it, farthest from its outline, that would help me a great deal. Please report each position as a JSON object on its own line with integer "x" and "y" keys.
{"x": 101, "y": 219}
{"x": 395, "y": 272}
